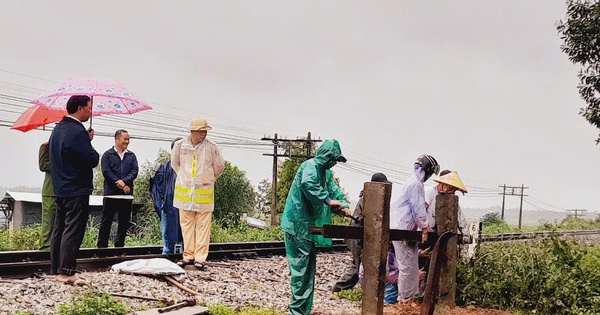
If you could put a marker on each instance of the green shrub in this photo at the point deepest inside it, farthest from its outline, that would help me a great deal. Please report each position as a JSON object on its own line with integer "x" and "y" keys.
{"x": 549, "y": 276}
{"x": 26, "y": 238}
{"x": 93, "y": 303}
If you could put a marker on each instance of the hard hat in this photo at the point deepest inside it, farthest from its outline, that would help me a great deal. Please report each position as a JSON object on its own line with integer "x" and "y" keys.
{"x": 452, "y": 179}
{"x": 429, "y": 164}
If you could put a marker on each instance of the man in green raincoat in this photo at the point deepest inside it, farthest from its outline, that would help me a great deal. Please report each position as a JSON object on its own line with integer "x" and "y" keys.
{"x": 48, "y": 199}
{"x": 309, "y": 202}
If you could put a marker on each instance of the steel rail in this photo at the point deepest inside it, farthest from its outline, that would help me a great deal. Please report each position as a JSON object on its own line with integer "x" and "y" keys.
{"x": 25, "y": 263}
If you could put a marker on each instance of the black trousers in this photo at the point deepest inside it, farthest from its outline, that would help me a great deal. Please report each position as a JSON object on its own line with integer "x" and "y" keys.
{"x": 67, "y": 234}
{"x": 123, "y": 209}
{"x": 350, "y": 277}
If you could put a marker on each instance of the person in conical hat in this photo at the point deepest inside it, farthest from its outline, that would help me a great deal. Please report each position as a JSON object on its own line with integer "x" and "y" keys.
{"x": 448, "y": 183}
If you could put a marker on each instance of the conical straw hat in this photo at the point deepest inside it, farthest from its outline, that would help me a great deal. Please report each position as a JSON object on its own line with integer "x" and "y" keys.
{"x": 453, "y": 180}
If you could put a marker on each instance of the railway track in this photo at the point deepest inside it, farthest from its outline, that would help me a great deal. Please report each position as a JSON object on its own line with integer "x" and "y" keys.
{"x": 18, "y": 264}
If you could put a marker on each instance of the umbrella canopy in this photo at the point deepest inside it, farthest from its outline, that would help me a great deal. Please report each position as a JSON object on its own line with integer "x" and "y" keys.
{"x": 38, "y": 116}
{"x": 108, "y": 97}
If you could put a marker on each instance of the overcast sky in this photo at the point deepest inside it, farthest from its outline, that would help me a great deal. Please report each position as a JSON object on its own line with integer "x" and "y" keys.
{"x": 480, "y": 85}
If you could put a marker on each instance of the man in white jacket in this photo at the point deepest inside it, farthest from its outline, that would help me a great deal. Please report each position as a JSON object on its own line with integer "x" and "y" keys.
{"x": 198, "y": 163}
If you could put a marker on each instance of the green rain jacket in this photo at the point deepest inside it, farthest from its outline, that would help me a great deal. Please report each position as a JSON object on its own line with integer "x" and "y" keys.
{"x": 312, "y": 185}
{"x": 44, "y": 163}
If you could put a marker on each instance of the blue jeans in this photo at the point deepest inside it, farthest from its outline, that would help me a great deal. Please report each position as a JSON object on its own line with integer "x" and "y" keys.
{"x": 391, "y": 293}
{"x": 171, "y": 230}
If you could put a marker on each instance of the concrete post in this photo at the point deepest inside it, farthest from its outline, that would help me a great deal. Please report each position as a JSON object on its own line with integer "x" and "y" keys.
{"x": 446, "y": 218}
{"x": 376, "y": 211}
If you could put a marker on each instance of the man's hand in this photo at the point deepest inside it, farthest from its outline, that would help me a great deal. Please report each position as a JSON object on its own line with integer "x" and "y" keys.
{"x": 126, "y": 189}
{"x": 120, "y": 184}
{"x": 425, "y": 253}
{"x": 335, "y": 203}
{"x": 91, "y": 133}
{"x": 422, "y": 274}
{"x": 347, "y": 212}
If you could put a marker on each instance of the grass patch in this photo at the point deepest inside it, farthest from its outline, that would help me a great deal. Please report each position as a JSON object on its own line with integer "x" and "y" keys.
{"x": 243, "y": 233}
{"x": 221, "y": 309}
{"x": 93, "y": 302}
{"x": 354, "y": 295}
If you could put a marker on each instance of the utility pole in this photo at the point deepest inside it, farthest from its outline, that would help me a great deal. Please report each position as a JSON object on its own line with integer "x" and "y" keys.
{"x": 521, "y": 206}
{"x": 308, "y": 142}
{"x": 577, "y": 211}
{"x": 514, "y": 191}
{"x": 503, "y": 198}
{"x": 274, "y": 184}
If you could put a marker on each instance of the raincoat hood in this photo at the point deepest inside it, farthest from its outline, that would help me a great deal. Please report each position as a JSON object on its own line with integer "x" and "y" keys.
{"x": 420, "y": 173}
{"x": 328, "y": 154}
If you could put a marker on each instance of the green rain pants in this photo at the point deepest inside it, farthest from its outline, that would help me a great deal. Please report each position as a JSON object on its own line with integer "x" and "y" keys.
{"x": 48, "y": 210}
{"x": 302, "y": 259}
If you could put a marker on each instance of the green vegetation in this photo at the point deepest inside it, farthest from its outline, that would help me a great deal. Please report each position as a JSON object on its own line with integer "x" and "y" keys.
{"x": 243, "y": 233}
{"x": 351, "y": 295}
{"x": 221, "y": 309}
{"x": 549, "y": 276}
{"x": 580, "y": 33}
{"x": 493, "y": 223}
{"x": 93, "y": 302}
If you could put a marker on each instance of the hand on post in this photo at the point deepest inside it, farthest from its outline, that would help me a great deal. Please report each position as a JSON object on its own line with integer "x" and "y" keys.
{"x": 126, "y": 189}
{"x": 347, "y": 212}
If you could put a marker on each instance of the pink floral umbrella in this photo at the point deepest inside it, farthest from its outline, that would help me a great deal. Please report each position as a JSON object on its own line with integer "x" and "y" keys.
{"x": 108, "y": 97}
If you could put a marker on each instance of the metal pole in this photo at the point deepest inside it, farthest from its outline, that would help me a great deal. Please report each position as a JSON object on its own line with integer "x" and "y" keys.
{"x": 521, "y": 207}
{"x": 503, "y": 198}
{"x": 274, "y": 185}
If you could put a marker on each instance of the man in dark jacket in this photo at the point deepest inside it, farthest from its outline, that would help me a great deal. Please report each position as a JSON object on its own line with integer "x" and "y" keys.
{"x": 350, "y": 277}
{"x": 119, "y": 168}
{"x": 72, "y": 160}
{"x": 162, "y": 191}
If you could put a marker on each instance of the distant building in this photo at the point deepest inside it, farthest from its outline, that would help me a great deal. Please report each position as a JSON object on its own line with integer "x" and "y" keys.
{"x": 20, "y": 209}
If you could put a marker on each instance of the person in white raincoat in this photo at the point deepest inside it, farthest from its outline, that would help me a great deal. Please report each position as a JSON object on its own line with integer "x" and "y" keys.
{"x": 408, "y": 213}
{"x": 198, "y": 163}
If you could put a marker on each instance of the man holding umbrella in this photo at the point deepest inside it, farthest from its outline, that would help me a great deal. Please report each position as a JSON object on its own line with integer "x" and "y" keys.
{"x": 72, "y": 160}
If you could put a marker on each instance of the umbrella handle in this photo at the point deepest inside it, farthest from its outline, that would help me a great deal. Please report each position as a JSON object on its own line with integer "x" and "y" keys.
{"x": 91, "y": 109}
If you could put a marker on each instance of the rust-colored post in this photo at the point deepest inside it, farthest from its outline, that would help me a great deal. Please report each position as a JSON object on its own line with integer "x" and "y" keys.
{"x": 376, "y": 211}
{"x": 446, "y": 218}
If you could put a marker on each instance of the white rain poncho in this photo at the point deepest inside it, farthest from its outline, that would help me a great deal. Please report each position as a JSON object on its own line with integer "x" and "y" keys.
{"x": 408, "y": 213}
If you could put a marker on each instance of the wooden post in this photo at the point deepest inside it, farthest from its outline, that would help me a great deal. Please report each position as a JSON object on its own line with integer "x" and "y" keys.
{"x": 446, "y": 218}
{"x": 376, "y": 211}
